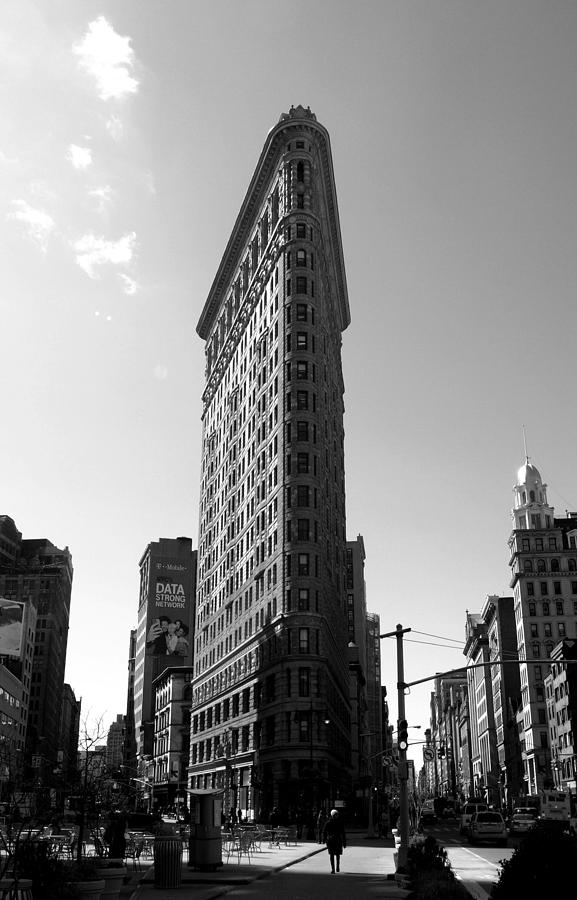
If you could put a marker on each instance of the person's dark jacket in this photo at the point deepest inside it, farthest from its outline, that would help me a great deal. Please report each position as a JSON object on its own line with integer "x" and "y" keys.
{"x": 334, "y": 835}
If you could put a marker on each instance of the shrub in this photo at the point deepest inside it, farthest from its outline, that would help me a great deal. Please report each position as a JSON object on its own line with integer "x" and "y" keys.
{"x": 541, "y": 866}
{"x": 430, "y": 872}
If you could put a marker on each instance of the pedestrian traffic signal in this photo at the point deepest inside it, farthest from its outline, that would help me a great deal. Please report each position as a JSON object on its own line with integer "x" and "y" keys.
{"x": 403, "y": 734}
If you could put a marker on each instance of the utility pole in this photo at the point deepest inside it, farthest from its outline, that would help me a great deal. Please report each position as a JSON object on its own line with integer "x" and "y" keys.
{"x": 402, "y": 745}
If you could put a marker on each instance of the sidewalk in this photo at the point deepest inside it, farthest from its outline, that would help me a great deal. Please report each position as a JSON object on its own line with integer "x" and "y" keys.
{"x": 207, "y": 885}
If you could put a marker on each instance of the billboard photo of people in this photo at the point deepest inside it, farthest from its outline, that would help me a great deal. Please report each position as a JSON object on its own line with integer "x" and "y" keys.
{"x": 11, "y": 617}
{"x": 169, "y": 612}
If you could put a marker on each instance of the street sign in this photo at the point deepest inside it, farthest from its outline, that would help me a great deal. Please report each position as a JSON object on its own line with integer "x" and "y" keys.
{"x": 428, "y": 754}
{"x": 387, "y": 761}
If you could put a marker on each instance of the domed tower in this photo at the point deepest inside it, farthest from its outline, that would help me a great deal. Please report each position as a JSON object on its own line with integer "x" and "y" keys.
{"x": 531, "y": 509}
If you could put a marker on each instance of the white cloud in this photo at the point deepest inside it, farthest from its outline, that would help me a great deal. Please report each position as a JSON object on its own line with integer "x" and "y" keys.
{"x": 108, "y": 58}
{"x": 92, "y": 252}
{"x": 103, "y": 196}
{"x": 38, "y": 224}
{"x": 160, "y": 372}
{"x": 80, "y": 157}
{"x": 130, "y": 286}
{"x": 115, "y": 128}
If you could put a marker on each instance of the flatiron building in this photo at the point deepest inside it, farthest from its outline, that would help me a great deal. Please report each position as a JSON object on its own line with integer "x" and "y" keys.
{"x": 270, "y": 722}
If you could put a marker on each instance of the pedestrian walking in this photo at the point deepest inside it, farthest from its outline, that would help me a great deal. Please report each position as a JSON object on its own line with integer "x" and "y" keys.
{"x": 335, "y": 838}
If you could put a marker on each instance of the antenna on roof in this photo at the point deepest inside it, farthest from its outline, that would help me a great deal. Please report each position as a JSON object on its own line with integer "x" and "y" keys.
{"x": 525, "y": 444}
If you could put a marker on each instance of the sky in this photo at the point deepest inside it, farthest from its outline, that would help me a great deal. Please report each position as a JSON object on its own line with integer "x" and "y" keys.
{"x": 129, "y": 132}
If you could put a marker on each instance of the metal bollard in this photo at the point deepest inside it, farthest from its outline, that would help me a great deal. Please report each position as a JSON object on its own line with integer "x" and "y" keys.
{"x": 167, "y": 861}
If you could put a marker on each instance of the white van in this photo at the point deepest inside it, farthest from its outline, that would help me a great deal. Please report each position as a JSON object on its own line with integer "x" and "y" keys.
{"x": 467, "y": 812}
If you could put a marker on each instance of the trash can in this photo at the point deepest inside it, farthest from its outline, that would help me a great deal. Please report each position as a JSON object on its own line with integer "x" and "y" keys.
{"x": 205, "y": 842}
{"x": 167, "y": 861}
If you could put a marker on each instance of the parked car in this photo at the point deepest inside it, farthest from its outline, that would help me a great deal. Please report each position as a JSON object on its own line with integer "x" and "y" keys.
{"x": 467, "y": 812}
{"x": 526, "y": 811}
{"x": 488, "y": 826}
{"x": 428, "y": 815}
{"x": 521, "y": 822}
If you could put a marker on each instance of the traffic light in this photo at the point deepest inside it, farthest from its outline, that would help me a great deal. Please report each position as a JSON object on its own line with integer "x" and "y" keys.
{"x": 403, "y": 734}
{"x": 441, "y": 752}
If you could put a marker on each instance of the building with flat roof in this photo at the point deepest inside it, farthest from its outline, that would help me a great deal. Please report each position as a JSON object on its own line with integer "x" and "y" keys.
{"x": 270, "y": 710}
{"x": 164, "y": 634}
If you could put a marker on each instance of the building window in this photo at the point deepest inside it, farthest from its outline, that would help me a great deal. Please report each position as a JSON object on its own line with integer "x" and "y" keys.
{"x": 302, "y": 463}
{"x": 302, "y": 431}
{"x": 544, "y": 588}
{"x": 302, "y": 340}
{"x": 530, "y": 589}
{"x": 302, "y": 399}
{"x": 552, "y": 543}
{"x": 546, "y": 608}
{"x": 559, "y": 607}
{"x": 572, "y": 565}
{"x": 537, "y": 673}
{"x": 304, "y": 640}
{"x": 303, "y": 599}
{"x": 535, "y": 649}
{"x": 301, "y": 312}
{"x": 270, "y": 691}
{"x": 302, "y": 370}
{"x": 301, "y": 258}
{"x": 534, "y": 630}
{"x": 304, "y": 682}
{"x": 541, "y": 565}
{"x": 556, "y": 587}
{"x": 554, "y": 565}
{"x": 527, "y": 565}
{"x": 303, "y": 529}
{"x": 301, "y": 284}
{"x": 547, "y": 629}
{"x": 562, "y": 630}
{"x": 301, "y": 230}
{"x": 303, "y": 495}
{"x": 532, "y": 609}
{"x": 303, "y": 564}
{"x": 525, "y": 544}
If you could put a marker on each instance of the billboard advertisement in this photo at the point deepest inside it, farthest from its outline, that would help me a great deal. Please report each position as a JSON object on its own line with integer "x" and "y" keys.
{"x": 11, "y": 618}
{"x": 169, "y": 611}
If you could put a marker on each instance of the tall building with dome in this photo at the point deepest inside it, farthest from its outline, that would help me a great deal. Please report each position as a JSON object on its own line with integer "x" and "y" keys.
{"x": 543, "y": 564}
{"x": 270, "y": 710}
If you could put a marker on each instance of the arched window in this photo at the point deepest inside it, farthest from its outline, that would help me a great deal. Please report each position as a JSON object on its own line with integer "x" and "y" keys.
{"x": 527, "y": 565}
{"x": 532, "y": 496}
{"x": 541, "y": 567}
{"x": 535, "y": 648}
{"x": 554, "y": 565}
{"x": 572, "y": 565}
{"x": 532, "y": 609}
{"x": 549, "y": 648}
